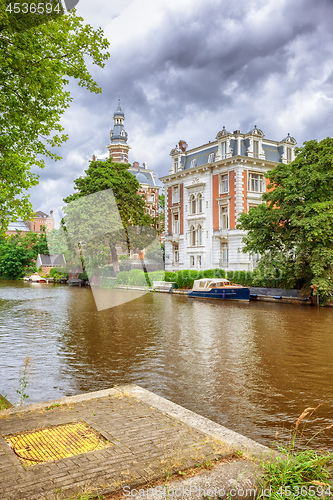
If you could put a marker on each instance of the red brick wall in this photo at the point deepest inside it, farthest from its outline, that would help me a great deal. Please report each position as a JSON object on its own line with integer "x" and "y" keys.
{"x": 232, "y": 191}
{"x": 117, "y": 152}
{"x": 216, "y": 215}
{"x": 181, "y": 199}
{"x": 267, "y": 182}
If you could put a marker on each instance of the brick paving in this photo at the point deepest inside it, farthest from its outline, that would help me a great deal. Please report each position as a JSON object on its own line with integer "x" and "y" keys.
{"x": 147, "y": 443}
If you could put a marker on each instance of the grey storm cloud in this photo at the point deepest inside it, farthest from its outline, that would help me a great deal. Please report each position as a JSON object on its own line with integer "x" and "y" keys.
{"x": 193, "y": 67}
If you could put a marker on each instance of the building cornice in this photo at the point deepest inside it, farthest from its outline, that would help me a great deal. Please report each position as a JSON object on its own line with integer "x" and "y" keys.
{"x": 219, "y": 163}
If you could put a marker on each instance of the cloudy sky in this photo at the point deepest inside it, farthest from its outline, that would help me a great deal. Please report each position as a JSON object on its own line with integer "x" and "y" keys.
{"x": 185, "y": 68}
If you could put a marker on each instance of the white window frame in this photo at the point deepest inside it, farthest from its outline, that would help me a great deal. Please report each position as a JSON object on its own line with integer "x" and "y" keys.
{"x": 199, "y": 236}
{"x": 224, "y": 217}
{"x": 175, "y": 194}
{"x": 256, "y": 147}
{"x": 175, "y": 223}
{"x": 176, "y": 254}
{"x": 225, "y": 252}
{"x": 193, "y": 205}
{"x": 192, "y": 261}
{"x": 199, "y": 203}
{"x": 224, "y": 183}
{"x": 193, "y": 236}
{"x": 193, "y": 163}
{"x": 224, "y": 149}
{"x": 256, "y": 183}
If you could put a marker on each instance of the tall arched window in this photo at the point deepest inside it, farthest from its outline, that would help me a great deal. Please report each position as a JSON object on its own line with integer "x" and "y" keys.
{"x": 193, "y": 204}
{"x": 199, "y": 235}
{"x": 192, "y": 236}
{"x": 199, "y": 203}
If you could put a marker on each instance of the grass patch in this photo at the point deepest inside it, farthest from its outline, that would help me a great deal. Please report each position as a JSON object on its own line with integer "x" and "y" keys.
{"x": 4, "y": 404}
{"x": 298, "y": 473}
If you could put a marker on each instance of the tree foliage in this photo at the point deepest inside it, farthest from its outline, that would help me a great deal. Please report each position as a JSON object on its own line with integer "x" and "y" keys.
{"x": 115, "y": 217}
{"x": 293, "y": 228}
{"x": 36, "y": 65}
{"x": 102, "y": 175}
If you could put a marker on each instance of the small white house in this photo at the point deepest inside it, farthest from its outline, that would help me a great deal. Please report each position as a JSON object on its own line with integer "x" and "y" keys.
{"x": 46, "y": 262}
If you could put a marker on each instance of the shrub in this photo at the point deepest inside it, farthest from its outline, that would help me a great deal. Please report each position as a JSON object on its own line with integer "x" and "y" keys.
{"x": 185, "y": 279}
{"x": 170, "y": 276}
{"x": 157, "y": 276}
{"x": 137, "y": 278}
{"x": 218, "y": 273}
{"x": 243, "y": 278}
{"x": 122, "y": 278}
{"x": 57, "y": 272}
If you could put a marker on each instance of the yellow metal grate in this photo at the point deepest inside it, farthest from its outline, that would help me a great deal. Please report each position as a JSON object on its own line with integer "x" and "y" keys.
{"x": 54, "y": 443}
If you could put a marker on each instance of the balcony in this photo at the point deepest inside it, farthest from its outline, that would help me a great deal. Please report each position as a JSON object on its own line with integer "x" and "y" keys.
{"x": 221, "y": 232}
{"x": 172, "y": 237}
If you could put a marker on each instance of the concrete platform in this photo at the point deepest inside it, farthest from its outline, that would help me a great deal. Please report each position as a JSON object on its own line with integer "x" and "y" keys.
{"x": 151, "y": 438}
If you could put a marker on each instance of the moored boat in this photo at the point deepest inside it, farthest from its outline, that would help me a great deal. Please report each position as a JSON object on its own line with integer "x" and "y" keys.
{"x": 35, "y": 278}
{"x": 219, "y": 288}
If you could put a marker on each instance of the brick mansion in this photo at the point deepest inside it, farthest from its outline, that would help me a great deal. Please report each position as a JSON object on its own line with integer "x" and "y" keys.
{"x": 206, "y": 190}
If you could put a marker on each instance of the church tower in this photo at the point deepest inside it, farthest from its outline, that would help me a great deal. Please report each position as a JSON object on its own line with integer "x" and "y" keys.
{"x": 118, "y": 148}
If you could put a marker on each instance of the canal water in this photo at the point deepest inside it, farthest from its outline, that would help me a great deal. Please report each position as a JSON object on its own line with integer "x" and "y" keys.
{"x": 253, "y": 367}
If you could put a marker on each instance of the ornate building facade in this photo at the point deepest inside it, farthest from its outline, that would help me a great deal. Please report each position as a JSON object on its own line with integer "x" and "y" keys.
{"x": 206, "y": 190}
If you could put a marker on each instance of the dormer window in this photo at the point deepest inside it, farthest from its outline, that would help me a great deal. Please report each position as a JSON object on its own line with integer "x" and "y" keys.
{"x": 176, "y": 165}
{"x": 255, "y": 148}
{"x": 223, "y": 150}
{"x": 211, "y": 157}
{"x": 289, "y": 154}
{"x": 193, "y": 163}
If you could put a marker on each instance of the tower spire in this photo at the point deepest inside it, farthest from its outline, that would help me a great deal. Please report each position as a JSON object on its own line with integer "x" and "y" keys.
{"x": 119, "y": 148}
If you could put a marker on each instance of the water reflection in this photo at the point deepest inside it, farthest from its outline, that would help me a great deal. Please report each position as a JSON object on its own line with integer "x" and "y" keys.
{"x": 252, "y": 367}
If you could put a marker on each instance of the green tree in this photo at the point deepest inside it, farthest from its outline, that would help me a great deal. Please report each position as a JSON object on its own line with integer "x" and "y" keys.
{"x": 36, "y": 64}
{"x": 118, "y": 219}
{"x": 293, "y": 228}
{"x": 102, "y": 175}
{"x": 18, "y": 254}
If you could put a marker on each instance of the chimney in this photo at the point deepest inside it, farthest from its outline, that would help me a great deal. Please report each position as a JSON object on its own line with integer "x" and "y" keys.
{"x": 136, "y": 164}
{"x": 93, "y": 157}
{"x": 144, "y": 164}
{"x": 51, "y": 213}
{"x": 182, "y": 146}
